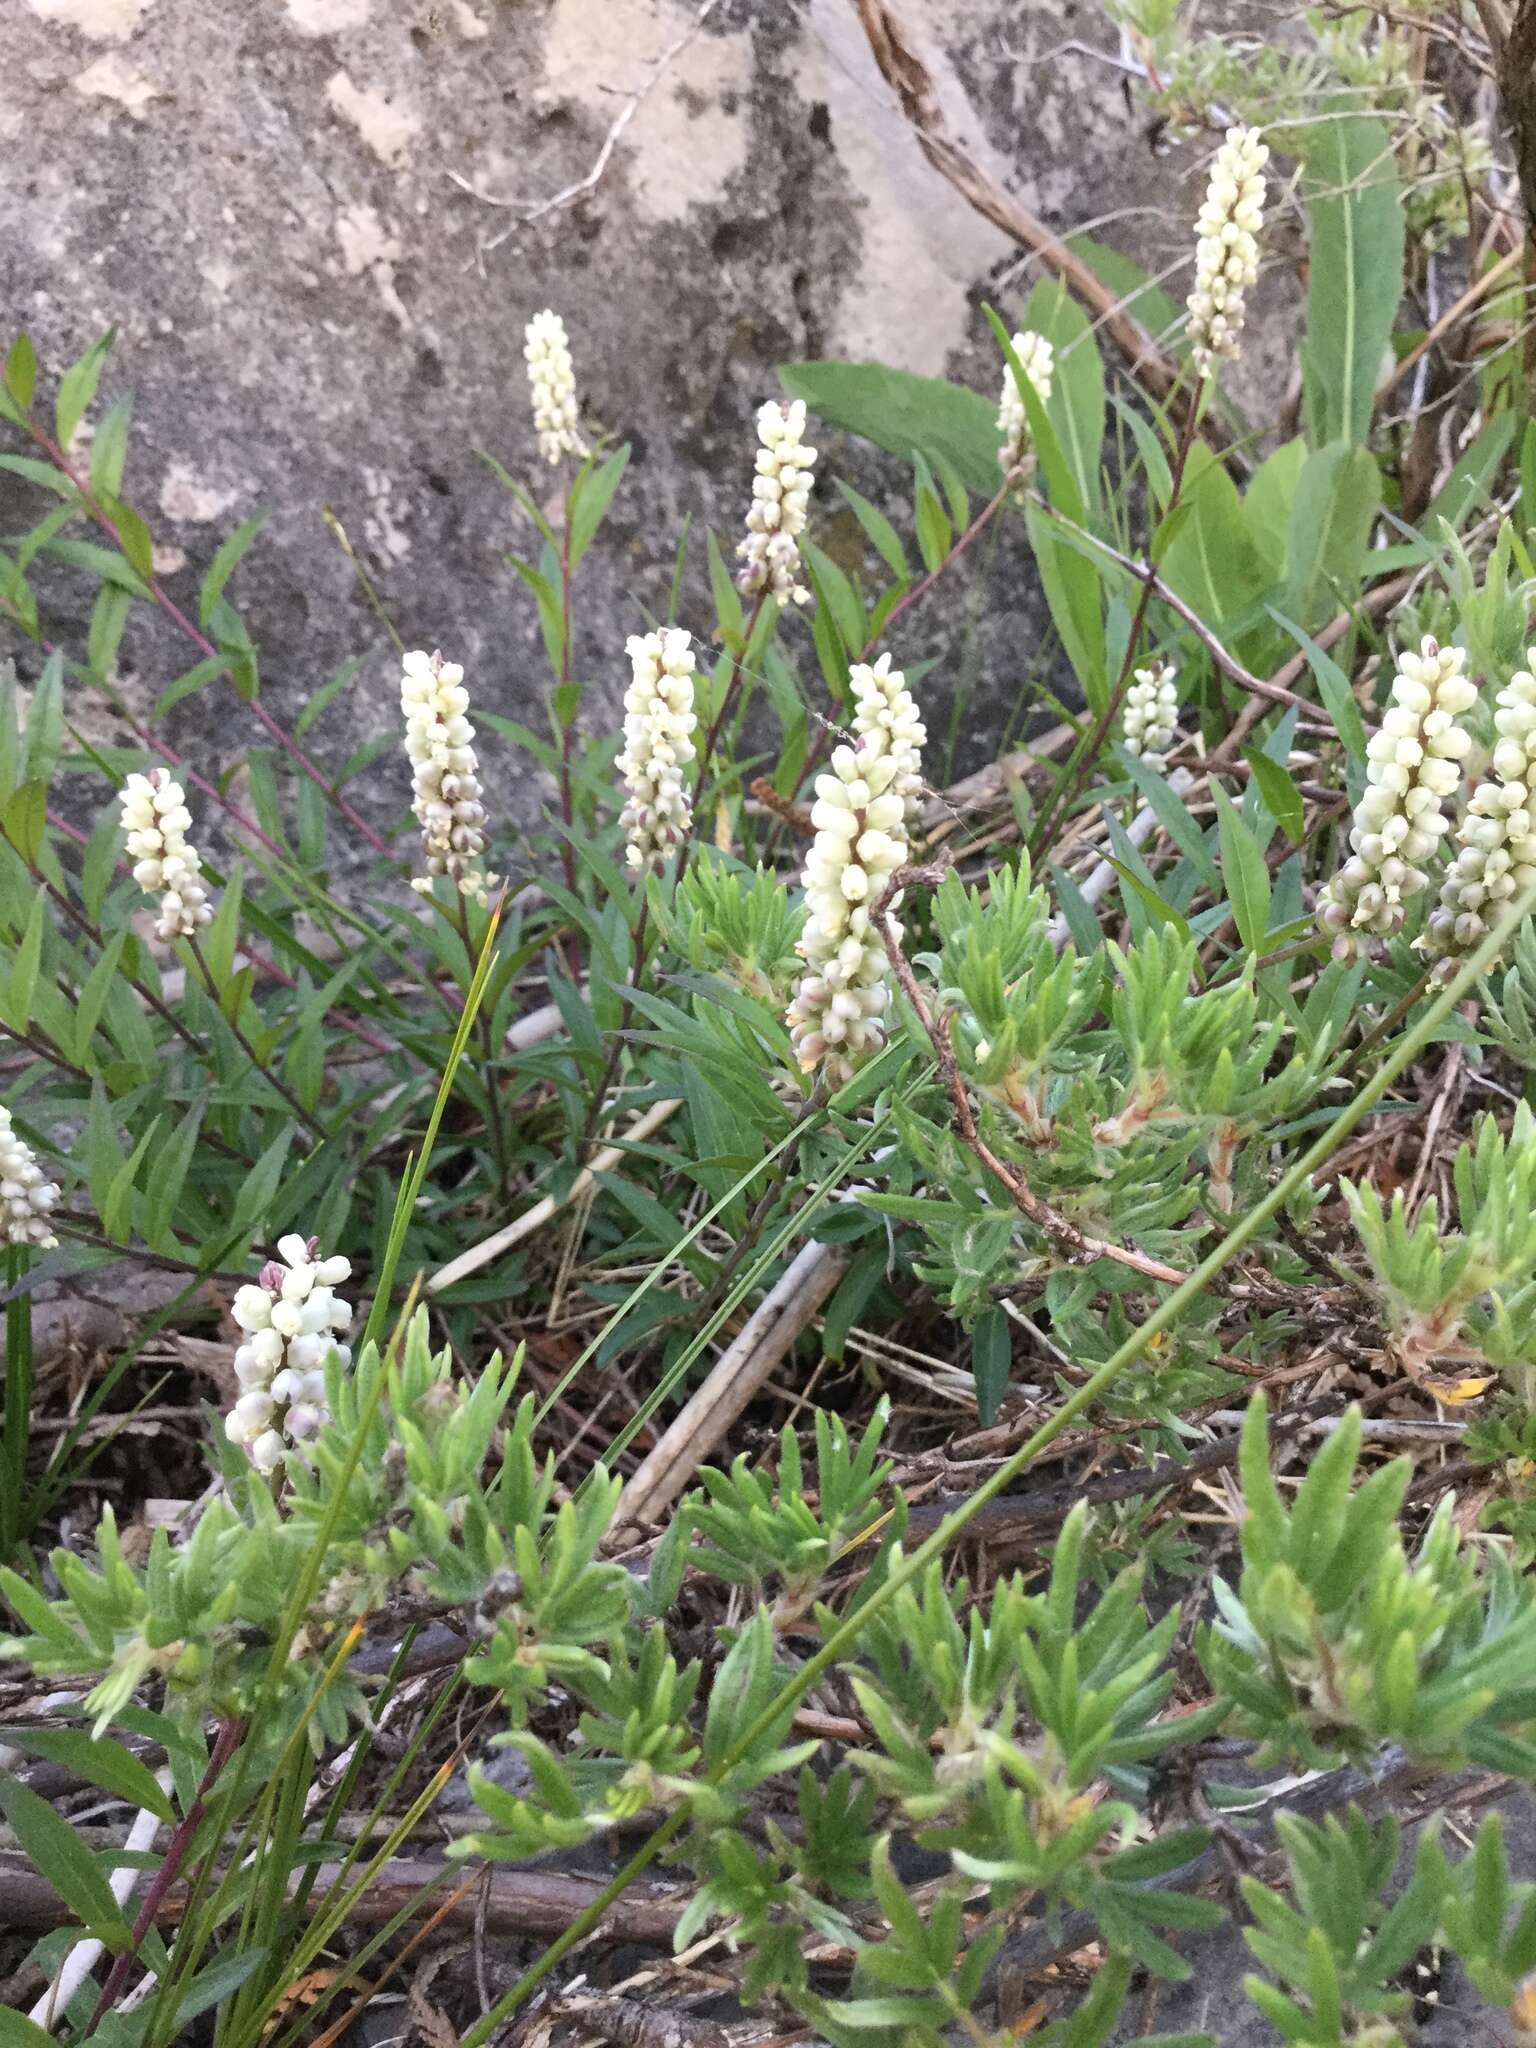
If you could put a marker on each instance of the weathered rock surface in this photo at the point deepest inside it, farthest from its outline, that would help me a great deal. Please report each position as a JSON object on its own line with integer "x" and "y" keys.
{"x": 306, "y": 219}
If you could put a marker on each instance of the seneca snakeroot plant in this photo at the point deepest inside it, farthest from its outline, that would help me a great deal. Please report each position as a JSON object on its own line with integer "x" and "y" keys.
{"x": 658, "y": 744}
{"x": 445, "y": 773}
{"x": 165, "y": 863}
{"x": 1037, "y": 359}
{"x": 1227, "y": 252}
{"x": 26, "y": 1194}
{"x": 1151, "y": 714}
{"x": 1496, "y": 839}
{"x": 835, "y": 1018}
{"x": 552, "y": 378}
{"x": 884, "y": 704}
{"x": 781, "y": 496}
{"x": 292, "y": 1321}
{"x": 1413, "y": 766}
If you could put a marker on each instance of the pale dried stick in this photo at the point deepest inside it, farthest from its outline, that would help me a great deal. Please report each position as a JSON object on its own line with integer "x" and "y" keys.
{"x": 704, "y": 1419}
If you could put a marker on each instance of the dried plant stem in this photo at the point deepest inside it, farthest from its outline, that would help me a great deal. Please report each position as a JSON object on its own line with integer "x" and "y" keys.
{"x": 705, "y": 1418}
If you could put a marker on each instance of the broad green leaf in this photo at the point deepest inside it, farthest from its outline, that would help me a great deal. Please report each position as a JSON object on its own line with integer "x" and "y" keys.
{"x": 906, "y": 414}
{"x": 1267, "y": 505}
{"x": 1337, "y": 495}
{"x": 1355, "y": 270}
{"x": 1206, "y": 554}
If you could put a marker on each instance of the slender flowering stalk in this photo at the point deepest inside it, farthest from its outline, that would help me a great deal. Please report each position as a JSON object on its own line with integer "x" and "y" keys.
{"x": 1496, "y": 860}
{"x": 552, "y": 377}
{"x": 884, "y": 704}
{"x": 445, "y": 773}
{"x": 1037, "y": 359}
{"x": 1152, "y": 714}
{"x": 293, "y": 1321}
{"x": 1413, "y": 766}
{"x": 836, "y": 1015}
{"x": 165, "y": 862}
{"x": 1227, "y": 252}
{"x": 781, "y": 496}
{"x": 658, "y": 745}
{"x": 26, "y": 1193}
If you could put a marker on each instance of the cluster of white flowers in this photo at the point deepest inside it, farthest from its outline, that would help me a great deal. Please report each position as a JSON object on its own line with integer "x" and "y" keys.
{"x": 781, "y": 497}
{"x": 1227, "y": 252}
{"x": 835, "y": 1018}
{"x": 445, "y": 774}
{"x": 1037, "y": 359}
{"x": 658, "y": 745}
{"x": 1496, "y": 840}
{"x": 547, "y": 352}
{"x": 292, "y": 1321}
{"x": 1152, "y": 714}
{"x": 1413, "y": 766}
{"x": 884, "y": 704}
{"x": 165, "y": 863}
{"x": 26, "y": 1195}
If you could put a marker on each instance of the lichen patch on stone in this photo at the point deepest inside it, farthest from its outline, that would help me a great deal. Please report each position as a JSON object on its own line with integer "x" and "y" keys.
{"x": 185, "y": 498}
{"x": 112, "y": 77}
{"x": 326, "y": 17}
{"x": 389, "y": 130}
{"x": 104, "y": 21}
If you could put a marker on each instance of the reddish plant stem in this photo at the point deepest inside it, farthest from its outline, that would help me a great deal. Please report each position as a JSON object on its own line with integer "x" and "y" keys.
{"x": 147, "y": 737}
{"x": 225, "y": 1744}
{"x": 717, "y": 724}
{"x": 1085, "y": 755}
{"x": 199, "y": 639}
{"x": 567, "y": 725}
{"x": 616, "y": 1050}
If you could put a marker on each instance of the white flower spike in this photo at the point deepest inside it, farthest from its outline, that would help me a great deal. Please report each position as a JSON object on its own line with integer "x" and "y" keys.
{"x": 1152, "y": 714}
{"x": 552, "y": 378}
{"x": 1037, "y": 359}
{"x": 440, "y": 742}
{"x": 165, "y": 862}
{"x": 1413, "y": 766}
{"x": 26, "y": 1194}
{"x": 293, "y": 1321}
{"x": 658, "y": 745}
{"x": 1227, "y": 251}
{"x": 884, "y": 704}
{"x": 836, "y": 1016}
{"x": 781, "y": 496}
{"x": 1496, "y": 839}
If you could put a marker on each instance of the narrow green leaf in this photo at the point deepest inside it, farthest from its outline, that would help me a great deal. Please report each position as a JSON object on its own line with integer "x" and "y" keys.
{"x": 991, "y": 1362}
{"x": 77, "y": 388}
{"x": 96, "y": 1760}
{"x": 21, "y": 371}
{"x": 66, "y": 1863}
{"x": 1280, "y": 794}
{"x": 591, "y": 499}
{"x": 224, "y": 564}
{"x": 1243, "y": 866}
